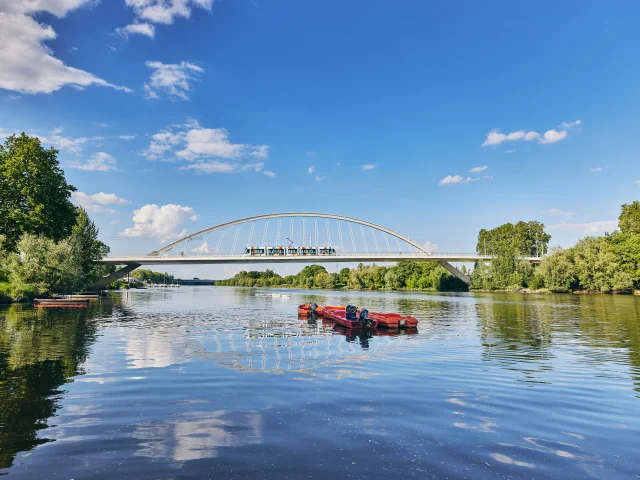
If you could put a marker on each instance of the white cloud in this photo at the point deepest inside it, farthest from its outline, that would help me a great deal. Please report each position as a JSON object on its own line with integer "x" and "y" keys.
{"x": 193, "y": 143}
{"x": 160, "y": 222}
{"x": 320, "y": 178}
{"x": 96, "y": 203}
{"x": 553, "y": 136}
{"x": 311, "y": 154}
{"x": 98, "y": 162}
{"x": 368, "y": 166}
{"x": 311, "y": 169}
{"x": 556, "y": 212}
{"x": 507, "y": 152}
{"x": 550, "y": 136}
{"x": 595, "y": 170}
{"x": 591, "y": 227}
{"x": 496, "y": 138}
{"x": 569, "y": 125}
{"x": 166, "y": 11}
{"x": 103, "y": 125}
{"x": 27, "y": 64}
{"x": 56, "y": 140}
{"x": 269, "y": 173}
{"x": 224, "y": 167}
{"x": 452, "y": 179}
{"x": 137, "y": 29}
{"x": 172, "y": 79}
{"x": 637, "y": 182}
{"x": 478, "y": 169}
{"x": 127, "y": 137}
{"x": 115, "y": 222}
{"x": 456, "y": 179}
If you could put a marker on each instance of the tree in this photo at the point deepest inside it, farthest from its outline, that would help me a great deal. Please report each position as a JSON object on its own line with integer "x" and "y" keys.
{"x": 87, "y": 249}
{"x": 34, "y": 195}
{"x": 524, "y": 238}
{"x": 629, "y": 219}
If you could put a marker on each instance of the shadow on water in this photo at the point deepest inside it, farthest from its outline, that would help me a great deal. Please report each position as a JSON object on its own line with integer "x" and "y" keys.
{"x": 40, "y": 350}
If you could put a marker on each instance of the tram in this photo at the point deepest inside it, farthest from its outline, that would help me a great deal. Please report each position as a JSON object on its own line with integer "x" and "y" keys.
{"x": 288, "y": 251}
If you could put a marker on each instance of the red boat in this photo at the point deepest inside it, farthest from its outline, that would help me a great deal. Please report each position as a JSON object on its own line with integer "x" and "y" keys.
{"x": 350, "y": 319}
{"x": 394, "y": 320}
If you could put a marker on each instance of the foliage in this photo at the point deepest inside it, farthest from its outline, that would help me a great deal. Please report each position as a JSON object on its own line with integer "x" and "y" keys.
{"x": 629, "y": 219}
{"x": 523, "y": 238}
{"x": 610, "y": 263}
{"x": 406, "y": 274}
{"x": 148, "y": 276}
{"x": 45, "y": 267}
{"x": 34, "y": 195}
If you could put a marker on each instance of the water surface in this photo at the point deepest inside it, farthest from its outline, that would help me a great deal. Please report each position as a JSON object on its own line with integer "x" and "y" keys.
{"x": 203, "y": 382}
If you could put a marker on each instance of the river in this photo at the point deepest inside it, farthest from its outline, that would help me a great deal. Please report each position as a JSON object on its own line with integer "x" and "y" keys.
{"x": 218, "y": 382}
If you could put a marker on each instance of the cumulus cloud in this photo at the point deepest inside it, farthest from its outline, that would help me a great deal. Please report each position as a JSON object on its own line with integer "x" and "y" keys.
{"x": 320, "y": 178}
{"x": 556, "y": 212}
{"x": 27, "y": 64}
{"x": 591, "y": 227}
{"x": 269, "y": 173}
{"x": 127, "y": 137}
{"x": 452, "y": 180}
{"x": 478, "y": 169}
{"x": 145, "y": 29}
{"x": 368, "y": 166}
{"x": 98, "y": 162}
{"x": 553, "y": 136}
{"x": 161, "y": 222}
{"x": 209, "y": 149}
{"x": 97, "y": 202}
{"x": 550, "y": 136}
{"x": 166, "y": 11}
{"x": 311, "y": 169}
{"x": 174, "y": 80}
{"x": 595, "y": 170}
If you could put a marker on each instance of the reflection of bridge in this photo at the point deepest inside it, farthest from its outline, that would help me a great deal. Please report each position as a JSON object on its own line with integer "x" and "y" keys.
{"x": 351, "y": 239}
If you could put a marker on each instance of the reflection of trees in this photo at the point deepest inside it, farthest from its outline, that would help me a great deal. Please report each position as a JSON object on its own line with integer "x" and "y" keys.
{"x": 39, "y": 351}
{"x": 515, "y": 331}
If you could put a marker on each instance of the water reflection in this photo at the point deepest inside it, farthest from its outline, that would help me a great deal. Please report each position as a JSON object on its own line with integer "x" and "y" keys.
{"x": 39, "y": 351}
{"x": 538, "y": 385}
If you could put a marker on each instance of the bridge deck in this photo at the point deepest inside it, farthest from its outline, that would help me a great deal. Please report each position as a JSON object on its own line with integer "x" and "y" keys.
{"x": 340, "y": 258}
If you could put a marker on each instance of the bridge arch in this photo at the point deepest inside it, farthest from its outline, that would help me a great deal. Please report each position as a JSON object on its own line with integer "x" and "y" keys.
{"x": 270, "y": 216}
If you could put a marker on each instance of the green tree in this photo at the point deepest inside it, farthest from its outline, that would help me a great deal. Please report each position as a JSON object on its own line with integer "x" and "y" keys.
{"x": 34, "y": 194}
{"x": 629, "y": 219}
{"x": 524, "y": 238}
{"x": 87, "y": 249}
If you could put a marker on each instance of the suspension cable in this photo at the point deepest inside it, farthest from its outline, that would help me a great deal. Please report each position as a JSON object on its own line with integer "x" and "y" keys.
{"x": 220, "y": 240}
{"x": 364, "y": 240}
{"x": 235, "y": 240}
{"x": 375, "y": 240}
{"x": 353, "y": 242}
{"x": 278, "y": 233}
{"x": 264, "y": 235}
{"x": 253, "y": 225}
{"x": 340, "y": 236}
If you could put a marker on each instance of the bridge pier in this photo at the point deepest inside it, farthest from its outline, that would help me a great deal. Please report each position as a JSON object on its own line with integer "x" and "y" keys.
{"x": 109, "y": 279}
{"x": 454, "y": 271}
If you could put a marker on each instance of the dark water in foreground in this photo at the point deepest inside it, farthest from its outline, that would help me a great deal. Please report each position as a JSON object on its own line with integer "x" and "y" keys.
{"x": 206, "y": 382}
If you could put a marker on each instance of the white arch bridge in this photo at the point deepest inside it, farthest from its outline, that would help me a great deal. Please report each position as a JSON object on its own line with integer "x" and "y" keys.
{"x": 292, "y": 238}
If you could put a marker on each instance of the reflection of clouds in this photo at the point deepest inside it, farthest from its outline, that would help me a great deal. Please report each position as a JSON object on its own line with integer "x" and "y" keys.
{"x": 148, "y": 349}
{"x": 199, "y": 435}
{"x": 510, "y": 461}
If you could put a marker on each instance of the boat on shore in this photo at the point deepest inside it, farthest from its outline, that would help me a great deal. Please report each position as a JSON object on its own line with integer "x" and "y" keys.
{"x": 61, "y": 303}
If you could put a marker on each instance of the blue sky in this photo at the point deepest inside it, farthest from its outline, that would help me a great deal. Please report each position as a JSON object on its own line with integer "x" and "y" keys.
{"x": 216, "y": 110}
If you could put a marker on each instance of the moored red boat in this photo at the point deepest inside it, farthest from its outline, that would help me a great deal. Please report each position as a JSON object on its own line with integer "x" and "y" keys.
{"x": 394, "y": 320}
{"x": 307, "y": 309}
{"x": 349, "y": 317}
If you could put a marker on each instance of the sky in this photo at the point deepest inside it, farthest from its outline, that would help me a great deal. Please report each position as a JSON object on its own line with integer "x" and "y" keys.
{"x": 434, "y": 119}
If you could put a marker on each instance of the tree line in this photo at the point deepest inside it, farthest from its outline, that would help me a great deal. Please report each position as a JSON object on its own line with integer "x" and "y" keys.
{"x": 405, "y": 275}
{"x": 605, "y": 264}
{"x": 47, "y": 244}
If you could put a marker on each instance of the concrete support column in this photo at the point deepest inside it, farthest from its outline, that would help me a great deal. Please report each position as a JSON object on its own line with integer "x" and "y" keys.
{"x": 454, "y": 271}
